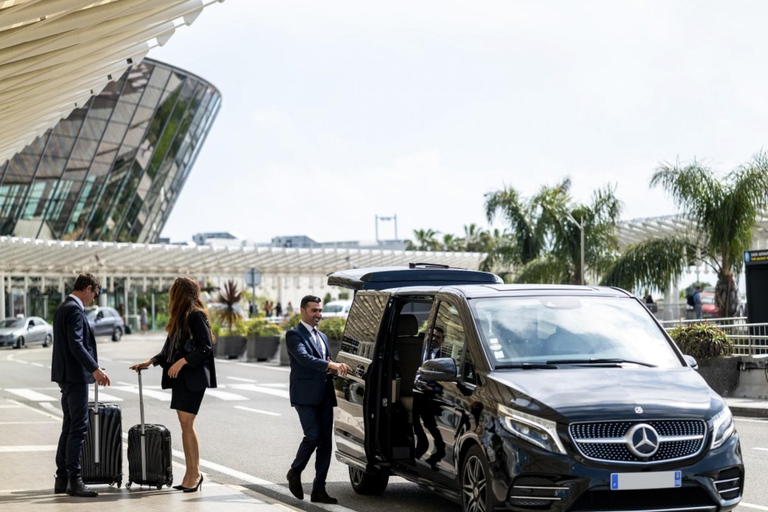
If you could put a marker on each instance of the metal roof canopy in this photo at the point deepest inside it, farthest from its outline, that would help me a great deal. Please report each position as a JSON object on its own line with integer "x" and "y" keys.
{"x": 24, "y": 256}
{"x": 56, "y": 54}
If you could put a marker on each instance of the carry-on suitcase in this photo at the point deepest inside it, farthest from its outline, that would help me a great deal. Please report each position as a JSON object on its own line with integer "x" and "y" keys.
{"x": 102, "y": 460}
{"x": 149, "y": 452}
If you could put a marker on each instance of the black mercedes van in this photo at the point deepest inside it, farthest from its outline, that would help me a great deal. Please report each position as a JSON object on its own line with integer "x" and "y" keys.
{"x": 527, "y": 397}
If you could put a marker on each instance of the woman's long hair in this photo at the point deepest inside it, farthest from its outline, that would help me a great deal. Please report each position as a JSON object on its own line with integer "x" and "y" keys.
{"x": 184, "y": 298}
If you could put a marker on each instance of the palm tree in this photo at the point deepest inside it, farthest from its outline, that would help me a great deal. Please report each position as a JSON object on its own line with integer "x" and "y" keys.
{"x": 723, "y": 213}
{"x": 452, "y": 243}
{"x": 426, "y": 240}
{"x": 543, "y": 237}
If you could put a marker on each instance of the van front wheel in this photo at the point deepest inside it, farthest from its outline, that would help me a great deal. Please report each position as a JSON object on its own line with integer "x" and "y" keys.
{"x": 367, "y": 483}
{"x": 476, "y": 492}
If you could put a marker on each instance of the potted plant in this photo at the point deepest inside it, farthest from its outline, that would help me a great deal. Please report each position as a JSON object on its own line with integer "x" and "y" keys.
{"x": 227, "y": 311}
{"x": 333, "y": 328}
{"x": 263, "y": 339}
{"x": 712, "y": 350}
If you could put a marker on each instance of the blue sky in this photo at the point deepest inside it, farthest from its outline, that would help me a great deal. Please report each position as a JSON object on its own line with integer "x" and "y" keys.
{"x": 336, "y": 111}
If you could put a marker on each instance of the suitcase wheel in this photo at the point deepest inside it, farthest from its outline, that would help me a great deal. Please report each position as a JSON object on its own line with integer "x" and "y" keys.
{"x": 128, "y": 485}
{"x": 159, "y": 487}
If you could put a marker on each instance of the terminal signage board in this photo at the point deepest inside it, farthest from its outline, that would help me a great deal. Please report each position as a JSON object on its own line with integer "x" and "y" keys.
{"x": 756, "y": 277}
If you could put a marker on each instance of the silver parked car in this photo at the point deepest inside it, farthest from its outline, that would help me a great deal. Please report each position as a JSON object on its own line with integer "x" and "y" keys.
{"x": 20, "y": 332}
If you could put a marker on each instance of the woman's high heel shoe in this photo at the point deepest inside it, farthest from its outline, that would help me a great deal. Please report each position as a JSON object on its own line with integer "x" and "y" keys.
{"x": 179, "y": 487}
{"x": 195, "y": 488}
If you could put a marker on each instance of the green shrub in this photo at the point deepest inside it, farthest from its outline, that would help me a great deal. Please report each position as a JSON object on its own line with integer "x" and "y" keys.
{"x": 333, "y": 327}
{"x": 259, "y": 327}
{"x": 215, "y": 330}
{"x": 291, "y": 322}
{"x": 703, "y": 341}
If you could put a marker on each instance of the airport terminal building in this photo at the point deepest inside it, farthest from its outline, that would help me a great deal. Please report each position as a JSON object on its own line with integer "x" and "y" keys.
{"x": 113, "y": 168}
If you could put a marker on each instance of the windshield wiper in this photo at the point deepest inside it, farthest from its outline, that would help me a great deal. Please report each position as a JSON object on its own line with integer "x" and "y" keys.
{"x": 526, "y": 366}
{"x": 595, "y": 360}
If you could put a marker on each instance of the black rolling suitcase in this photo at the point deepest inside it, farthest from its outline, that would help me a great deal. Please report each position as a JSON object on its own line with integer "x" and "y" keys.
{"x": 102, "y": 460}
{"x": 149, "y": 452}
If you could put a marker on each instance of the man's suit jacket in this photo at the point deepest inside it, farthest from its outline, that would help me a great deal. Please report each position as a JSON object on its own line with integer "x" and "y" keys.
{"x": 74, "y": 348}
{"x": 308, "y": 378}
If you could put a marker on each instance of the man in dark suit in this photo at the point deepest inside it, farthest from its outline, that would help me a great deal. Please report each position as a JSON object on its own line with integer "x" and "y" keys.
{"x": 75, "y": 366}
{"x": 313, "y": 397}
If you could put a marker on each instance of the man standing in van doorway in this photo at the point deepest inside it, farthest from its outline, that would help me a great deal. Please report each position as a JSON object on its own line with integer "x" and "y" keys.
{"x": 424, "y": 410}
{"x": 313, "y": 397}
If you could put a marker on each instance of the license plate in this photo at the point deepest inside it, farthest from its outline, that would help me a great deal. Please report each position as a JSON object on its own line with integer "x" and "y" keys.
{"x": 655, "y": 480}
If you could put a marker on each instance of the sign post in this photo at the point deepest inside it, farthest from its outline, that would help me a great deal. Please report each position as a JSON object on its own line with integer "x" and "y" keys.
{"x": 253, "y": 279}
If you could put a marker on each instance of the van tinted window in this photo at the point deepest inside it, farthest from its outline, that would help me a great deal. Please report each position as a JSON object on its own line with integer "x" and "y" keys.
{"x": 363, "y": 323}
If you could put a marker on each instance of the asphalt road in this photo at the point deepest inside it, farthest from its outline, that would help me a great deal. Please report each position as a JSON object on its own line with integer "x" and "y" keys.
{"x": 249, "y": 433}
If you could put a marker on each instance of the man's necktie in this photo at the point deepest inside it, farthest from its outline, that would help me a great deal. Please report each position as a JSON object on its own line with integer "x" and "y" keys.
{"x": 319, "y": 343}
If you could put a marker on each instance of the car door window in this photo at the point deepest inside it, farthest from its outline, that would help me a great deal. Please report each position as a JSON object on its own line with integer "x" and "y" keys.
{"x": 449, "y": 326}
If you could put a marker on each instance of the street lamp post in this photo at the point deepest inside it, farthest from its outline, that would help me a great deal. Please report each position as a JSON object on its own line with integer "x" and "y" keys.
{"x": 581, "y": 237}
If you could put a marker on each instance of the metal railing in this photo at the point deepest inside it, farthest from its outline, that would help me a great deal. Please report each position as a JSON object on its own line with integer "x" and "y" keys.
{"x": 747, "y": 339}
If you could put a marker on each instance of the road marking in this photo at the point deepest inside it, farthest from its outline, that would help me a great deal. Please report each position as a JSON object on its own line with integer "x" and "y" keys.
{"x": 749, "y": 505}
{"x": 761, "y": 449}
{"x": 224, "y": 395}
{"x": 257, "y": 410}
{"x": 260, "y": 389}
{"x": 265, "y": 367}
{"x": 160, "y": 395}
{"x": 275, "y": 385}
{"x": 32, "y": 395}
{"x": 750, "y": 420}
{"x": 105, "y": 359}
{"x": 29, "y": 448}
{"x": 242, "y": 379}
{"x": 27, "y": 422}
{"x": 106, "y": 397}
{"x": 39, "y": 365}
{"x": 11, "y": 406}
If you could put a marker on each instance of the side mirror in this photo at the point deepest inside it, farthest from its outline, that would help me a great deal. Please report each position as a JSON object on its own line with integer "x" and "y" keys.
{"x": 437, "y": 370}
{"x": 691, "y": 362}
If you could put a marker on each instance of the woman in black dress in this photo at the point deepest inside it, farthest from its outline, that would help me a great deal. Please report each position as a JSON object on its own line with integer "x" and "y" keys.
{"x": 188, "y": 368}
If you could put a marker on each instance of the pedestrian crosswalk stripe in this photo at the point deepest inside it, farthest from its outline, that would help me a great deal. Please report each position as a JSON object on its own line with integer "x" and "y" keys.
{"x": 261, "y": 389}
{"x": 32, "y": 395}
{"x": 160, "y": 395}
{"x": 106, "y": 397}
{"x": 224, "y": 395}
{"x": 28, "y": 448}
{"x": 257, "y": 410}
{"x": 242, "y": 379}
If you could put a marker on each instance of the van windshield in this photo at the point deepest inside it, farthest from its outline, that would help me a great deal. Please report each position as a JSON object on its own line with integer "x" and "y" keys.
{"x": 517, "y": 330}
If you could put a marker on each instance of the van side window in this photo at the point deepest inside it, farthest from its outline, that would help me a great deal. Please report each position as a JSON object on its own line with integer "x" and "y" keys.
{"x": 363, "y": 324}
{"x": 448, "y": 340}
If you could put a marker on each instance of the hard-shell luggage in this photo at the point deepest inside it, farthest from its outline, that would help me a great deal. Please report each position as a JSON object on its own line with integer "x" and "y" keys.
{"x": 149, "y": 452}
{"x": 102, "y": 460}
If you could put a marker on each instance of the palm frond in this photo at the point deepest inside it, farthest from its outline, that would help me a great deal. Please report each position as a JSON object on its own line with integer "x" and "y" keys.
{"x": 651, "y": 264}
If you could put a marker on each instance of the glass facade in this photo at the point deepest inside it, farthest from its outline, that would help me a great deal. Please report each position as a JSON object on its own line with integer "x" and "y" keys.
{"x": 114, "y": 168}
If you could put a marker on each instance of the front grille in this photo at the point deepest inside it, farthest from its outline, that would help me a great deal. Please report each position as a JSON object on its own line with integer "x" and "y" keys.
{"x": 536, "y": 492}
{"x": 608, "y": 441}
{"x": 659, "y": 499}
{"x": 728, "y": 483}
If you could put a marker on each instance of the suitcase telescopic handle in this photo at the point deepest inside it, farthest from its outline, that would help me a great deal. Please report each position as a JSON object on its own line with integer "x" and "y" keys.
{"x": 143, "y": 441}
{"x": 96, "y": 430}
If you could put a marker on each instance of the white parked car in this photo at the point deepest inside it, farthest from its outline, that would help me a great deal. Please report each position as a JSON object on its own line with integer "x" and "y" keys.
{"x": 337, "y": 308}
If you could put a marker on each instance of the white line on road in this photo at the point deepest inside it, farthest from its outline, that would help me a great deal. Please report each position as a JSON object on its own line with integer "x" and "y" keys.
{"x": 749, "y": 420}
{"x": 260, "y": 389}
{"x": 39, "y": 365}
{"x": 106, "y": 397}
{"x": 242, "y": 379}
{"x": 274, "y": 385}
{"x": 257, "y": 410}
{"x": 11, "y": 406}
{"x": 26, "y": 422}
{"x": 29, "y": 448}
{"x": 265, "y": 367}
{"x": 749, "y": 505}
{"x": 32, "y": 395}
{"x": 224, "y": 395}
{"x": 160, "y": 395}
{"x": 762, "y": 449}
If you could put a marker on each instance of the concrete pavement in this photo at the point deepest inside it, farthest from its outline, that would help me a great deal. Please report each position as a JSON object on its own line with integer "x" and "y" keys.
{"x": 28, "y": 439}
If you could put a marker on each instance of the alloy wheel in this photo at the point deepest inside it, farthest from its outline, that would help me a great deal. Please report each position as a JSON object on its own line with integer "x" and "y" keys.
{"x": 474, "y": 485}
{"x": 356, "y": 476}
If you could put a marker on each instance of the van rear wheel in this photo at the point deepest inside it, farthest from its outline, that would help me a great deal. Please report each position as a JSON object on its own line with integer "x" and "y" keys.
{"x": 367, "y": 483}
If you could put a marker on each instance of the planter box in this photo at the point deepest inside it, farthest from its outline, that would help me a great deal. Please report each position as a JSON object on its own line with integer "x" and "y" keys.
{"x": 261, "y": 348}
{"x": 722, "y": 374}
{"x": 230, "y": 347}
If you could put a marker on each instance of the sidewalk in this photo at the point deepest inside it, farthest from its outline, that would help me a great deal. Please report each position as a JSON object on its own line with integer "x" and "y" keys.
{"x": 749, "y": 407}
{"x": 28, "y": 438}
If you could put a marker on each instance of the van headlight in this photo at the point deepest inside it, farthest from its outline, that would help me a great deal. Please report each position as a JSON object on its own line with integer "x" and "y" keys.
{"x": 722, "y": 427}
{"x": 535, "y": 430}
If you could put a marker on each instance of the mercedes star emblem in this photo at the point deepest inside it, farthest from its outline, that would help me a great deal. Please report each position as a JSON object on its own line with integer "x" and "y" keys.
{"x": 643, "y": 440}
{"x": 639, "y": 410}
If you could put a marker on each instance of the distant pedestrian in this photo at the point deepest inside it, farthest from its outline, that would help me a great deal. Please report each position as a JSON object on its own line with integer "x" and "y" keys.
{"x": 289, "y": 309}
{"x": 278, "y": 310}
{"x": 697, "y": 307}
{"x": 74, "y": 366}
{"x": 648, "y": 298}
{"x": 143, "y": 320}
